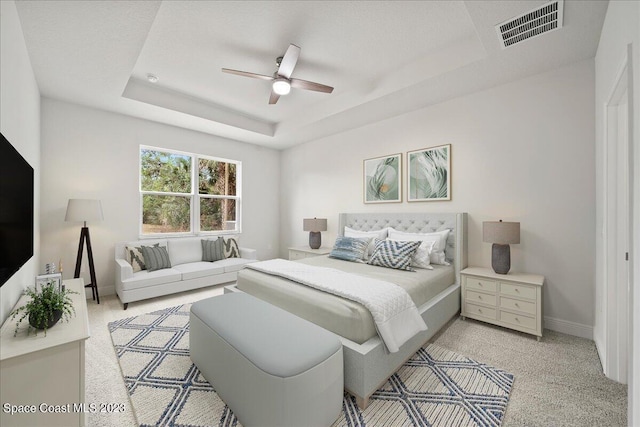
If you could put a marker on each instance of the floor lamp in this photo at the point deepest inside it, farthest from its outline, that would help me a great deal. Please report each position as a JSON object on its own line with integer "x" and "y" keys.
{"x": 85, "y": 210}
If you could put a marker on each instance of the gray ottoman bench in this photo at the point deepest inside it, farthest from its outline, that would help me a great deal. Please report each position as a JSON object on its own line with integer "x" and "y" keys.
{"x": 272, "y": 368}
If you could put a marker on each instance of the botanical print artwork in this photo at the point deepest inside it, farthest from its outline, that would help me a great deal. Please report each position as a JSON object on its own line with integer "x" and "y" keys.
{"x": 382, "y": 179}
{"x": 429, "y": 174}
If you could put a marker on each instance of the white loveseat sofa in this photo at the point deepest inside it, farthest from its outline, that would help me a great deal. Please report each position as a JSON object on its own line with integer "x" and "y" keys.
{"x": 187, "y": 271}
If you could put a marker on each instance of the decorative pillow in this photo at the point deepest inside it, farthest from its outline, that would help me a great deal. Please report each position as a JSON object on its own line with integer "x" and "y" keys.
{"x": 371, "y": 235}
{"x": 439, "y": 238}
{"x": 393, "y": 254}
{"x": 135, "y": 258}
{"x": 350, "y": 248}
{"x": 231, "y": 249}
{"x": 213, "y": 250}
{"x": 156, "y": 257}
{"x": 422, "y": 256}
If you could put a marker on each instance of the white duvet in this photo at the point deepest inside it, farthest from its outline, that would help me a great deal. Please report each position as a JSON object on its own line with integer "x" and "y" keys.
{"x": 395, "y": 315}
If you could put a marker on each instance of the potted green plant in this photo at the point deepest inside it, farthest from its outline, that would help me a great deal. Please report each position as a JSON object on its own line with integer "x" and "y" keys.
{"x": 46, "y": 307}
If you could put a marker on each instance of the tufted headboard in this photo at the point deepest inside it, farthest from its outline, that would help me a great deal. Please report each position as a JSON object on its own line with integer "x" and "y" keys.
{"x": 417, "y": 222}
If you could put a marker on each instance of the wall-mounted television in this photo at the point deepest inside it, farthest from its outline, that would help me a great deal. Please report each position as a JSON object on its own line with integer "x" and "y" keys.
{"x": 16, "y": 210}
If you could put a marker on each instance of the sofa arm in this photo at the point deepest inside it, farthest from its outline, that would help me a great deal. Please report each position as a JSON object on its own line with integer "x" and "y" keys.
{"x": 248, "y": 253}
{"x": 123, "y": 270}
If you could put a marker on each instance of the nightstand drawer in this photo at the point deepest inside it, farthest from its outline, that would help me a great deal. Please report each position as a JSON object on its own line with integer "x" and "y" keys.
{"x": 473, "y": 310}
{"x": 489, "y": 299}
{"x": 518, "y": 305}
{"x": 518, "y": 320}
{"x": 481, "y": 284}
{"x": 518, "y": 290}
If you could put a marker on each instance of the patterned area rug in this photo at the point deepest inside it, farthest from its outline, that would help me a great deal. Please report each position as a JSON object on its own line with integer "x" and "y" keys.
{"x": 436, "y": 387}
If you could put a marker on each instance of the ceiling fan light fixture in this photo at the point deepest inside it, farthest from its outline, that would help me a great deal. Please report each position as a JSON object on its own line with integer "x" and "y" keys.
{"x": 281, "y": 86}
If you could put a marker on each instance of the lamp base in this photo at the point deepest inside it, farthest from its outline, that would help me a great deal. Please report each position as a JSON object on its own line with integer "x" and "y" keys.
{"x": 500, "y": 258}
{"x": 315, "y": 239}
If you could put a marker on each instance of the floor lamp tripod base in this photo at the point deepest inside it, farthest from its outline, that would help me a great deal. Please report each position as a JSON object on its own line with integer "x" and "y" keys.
{"x": 84, "y": 237}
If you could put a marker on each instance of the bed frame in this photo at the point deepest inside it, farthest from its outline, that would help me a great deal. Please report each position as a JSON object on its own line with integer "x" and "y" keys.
{"x": 367, "y": 366}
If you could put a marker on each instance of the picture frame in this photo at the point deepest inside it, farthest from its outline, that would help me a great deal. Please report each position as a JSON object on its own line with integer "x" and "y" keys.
{"x": 43, "y": 279}
{"x": 382, "y": 179}
{"x": 429, "y": 174}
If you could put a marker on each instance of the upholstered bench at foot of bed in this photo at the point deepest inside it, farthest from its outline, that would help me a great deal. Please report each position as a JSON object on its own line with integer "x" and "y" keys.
{"x": 272, "y": 368}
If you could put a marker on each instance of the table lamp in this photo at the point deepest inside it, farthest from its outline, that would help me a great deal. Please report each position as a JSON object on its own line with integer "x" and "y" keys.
{"x": 501, "y": 234}
{"x": 314, "y": 226}
{"x": 85, "y": 210}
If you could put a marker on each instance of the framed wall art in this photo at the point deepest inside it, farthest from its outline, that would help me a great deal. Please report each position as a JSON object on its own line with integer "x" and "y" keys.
{"x": 429, "y": 174}
{"x": 383, "y": 179}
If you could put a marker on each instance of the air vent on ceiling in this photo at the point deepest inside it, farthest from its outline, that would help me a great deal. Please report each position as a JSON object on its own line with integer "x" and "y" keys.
{"x": 547, "y": 17}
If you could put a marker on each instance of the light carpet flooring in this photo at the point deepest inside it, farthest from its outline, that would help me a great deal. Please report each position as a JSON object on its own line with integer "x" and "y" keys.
{"x": 558, "y": 381}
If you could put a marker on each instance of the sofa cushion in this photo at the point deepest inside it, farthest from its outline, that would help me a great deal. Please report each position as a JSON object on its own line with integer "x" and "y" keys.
{"x": 185, "y": 250}
{"x": 195, "y": 270}
{"x": 212, "y": 250}
{"x": 156, "y": 257}
{"x": 231, "y": 249}
{"x": 135, "y": 258}
{"x": 233, "y": 264}
{"x": 145, "y": 278}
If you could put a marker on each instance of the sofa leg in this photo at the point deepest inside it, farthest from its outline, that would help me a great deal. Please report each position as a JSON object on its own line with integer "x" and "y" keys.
{"x": 126, "y": 304}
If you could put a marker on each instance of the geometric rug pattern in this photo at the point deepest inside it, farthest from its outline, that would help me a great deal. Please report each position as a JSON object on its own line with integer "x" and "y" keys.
{"x": 436, "y": 387}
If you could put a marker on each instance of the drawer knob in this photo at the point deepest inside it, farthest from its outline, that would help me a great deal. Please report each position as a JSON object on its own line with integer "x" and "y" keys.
{"x": 517, "y": 305}
{"x": 479, "y": 283}
{"x": 517, "y": 320}
{"x": 479, "y": 310}
{"x": 517, "y": 290}
{"x": 479, "y": 296}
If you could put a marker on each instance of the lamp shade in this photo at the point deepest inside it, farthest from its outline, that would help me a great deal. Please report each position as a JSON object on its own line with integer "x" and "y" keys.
{"x": 502, "y": 233}
{"x": 314, "y": 224}
{"x": 84, "y": 210}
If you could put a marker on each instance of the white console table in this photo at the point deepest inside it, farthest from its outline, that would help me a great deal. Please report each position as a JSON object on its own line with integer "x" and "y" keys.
{"x": 50, "y": 371}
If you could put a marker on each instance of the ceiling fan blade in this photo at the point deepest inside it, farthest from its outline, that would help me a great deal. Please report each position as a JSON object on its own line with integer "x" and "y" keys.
{"x": 303, "y": 84}
{"x": 247, "y": 74}
{"x": 273, "y": 98}
{"x": 289, "y": 61}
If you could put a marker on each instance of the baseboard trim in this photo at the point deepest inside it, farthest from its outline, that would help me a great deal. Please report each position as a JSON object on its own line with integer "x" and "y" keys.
{"x": 103, "y": 290}
{"x": 567, "y": 327}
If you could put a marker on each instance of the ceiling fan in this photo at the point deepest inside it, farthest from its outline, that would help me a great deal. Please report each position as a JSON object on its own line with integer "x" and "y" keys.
{"x": 281, "y": 79}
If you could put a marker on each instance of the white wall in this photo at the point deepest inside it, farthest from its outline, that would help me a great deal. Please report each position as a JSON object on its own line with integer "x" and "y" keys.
{"x": 20, "y": 124}
{"x": 88, "y": 153}
{"x": 621, "y": 28}
{"x": 522, "y": 152}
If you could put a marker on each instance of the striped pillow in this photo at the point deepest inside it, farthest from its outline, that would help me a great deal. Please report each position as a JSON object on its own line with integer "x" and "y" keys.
{"x": 212, "y": 250}
{"x": 350, "y": 248}
{"x": 394, "y": 254}
{"x": 156, "y": 257}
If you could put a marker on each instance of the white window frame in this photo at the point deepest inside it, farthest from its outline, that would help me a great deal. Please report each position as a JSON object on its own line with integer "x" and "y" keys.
{"x": 194, "y": 196}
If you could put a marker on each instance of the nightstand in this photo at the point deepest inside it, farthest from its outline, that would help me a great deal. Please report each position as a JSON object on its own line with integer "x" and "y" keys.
{"x": 306, "y": 252}
{"x": 511, "y": 300}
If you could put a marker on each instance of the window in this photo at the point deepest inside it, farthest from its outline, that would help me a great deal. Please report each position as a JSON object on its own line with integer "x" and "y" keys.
{"x": 185, "y": 193}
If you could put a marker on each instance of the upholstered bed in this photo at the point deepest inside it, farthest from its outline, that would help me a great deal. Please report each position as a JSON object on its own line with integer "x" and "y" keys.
{"x": 435, "y": 292}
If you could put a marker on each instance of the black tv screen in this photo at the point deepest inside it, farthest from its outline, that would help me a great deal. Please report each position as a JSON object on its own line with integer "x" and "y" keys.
{"x": 16, "y": 210}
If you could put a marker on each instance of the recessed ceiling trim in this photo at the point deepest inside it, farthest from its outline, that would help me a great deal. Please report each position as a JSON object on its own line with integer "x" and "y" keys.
{"x": 175, "y": 101}
{"x": 546, "y": 18}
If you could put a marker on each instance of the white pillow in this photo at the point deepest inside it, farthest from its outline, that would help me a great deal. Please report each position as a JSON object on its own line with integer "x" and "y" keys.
{"x": 439, "y": 238}
{"x": 371, "y": 235}
{"x": 421, "y": 258}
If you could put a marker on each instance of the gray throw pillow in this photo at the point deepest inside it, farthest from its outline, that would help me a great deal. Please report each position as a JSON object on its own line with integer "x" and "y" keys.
{"x": 156, "y": 257}
{"x": 212, "y": 250}
{"x": 394, "y": 254}
{"x": 350, "y": 248}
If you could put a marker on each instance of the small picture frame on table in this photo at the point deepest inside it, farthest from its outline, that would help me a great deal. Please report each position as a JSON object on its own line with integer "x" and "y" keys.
{"x": 44, "y": 279}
